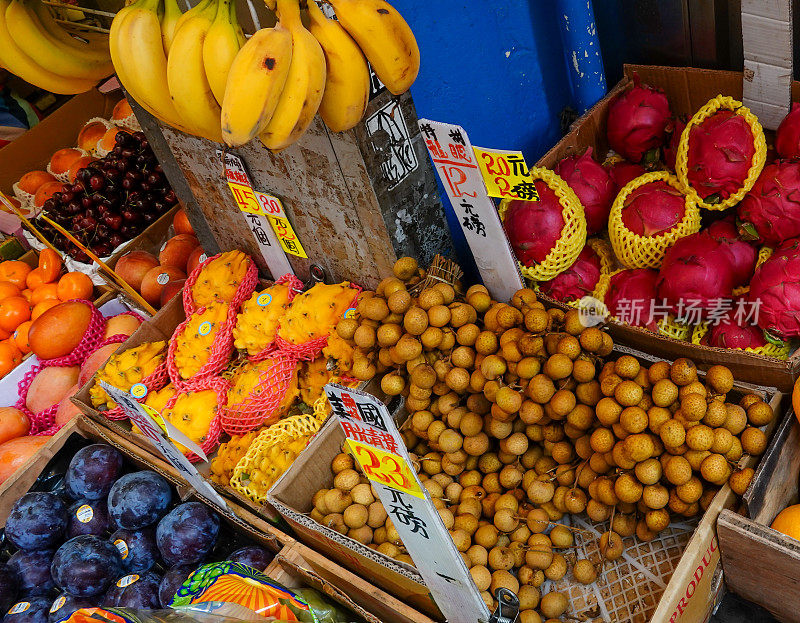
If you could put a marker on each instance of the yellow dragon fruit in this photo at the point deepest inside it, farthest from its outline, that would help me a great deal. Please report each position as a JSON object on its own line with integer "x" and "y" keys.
{"x": 257, "y": 322}
{"x": 192, "y": 414}
{"x": 316, "y": 312}
{"x": 194, "y": 343}
{"x": 159, "y": 399}
{"x": 220, "y": 278}
{"x": 127, "y": 368}
{"x": 313, "y": 377}
{"x": 228, "y": 455}
{"x": 248, "y": 386}
{"x": 339, "y": 355}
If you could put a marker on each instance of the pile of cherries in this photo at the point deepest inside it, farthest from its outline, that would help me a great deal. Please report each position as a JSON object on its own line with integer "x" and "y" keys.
{"x": 112, "y": 200}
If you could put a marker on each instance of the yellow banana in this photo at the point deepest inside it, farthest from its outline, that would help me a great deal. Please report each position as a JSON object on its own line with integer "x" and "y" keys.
{"x": 200, "y": 7}
{"x": 255, "y": 81}
{"x": 138, "y": 54}
{"x": 385, "y": 38}
{"x": 186, "y": 76}
{"x": 93, "y": 46}
{"x": 347, "y": 82}
{"x": 49, "y": 52}
{"x": 169, "y": 23}
{"x": 15, "y": 60}
{"x": 222, "y": 43}
{"x": 304, "y": 86}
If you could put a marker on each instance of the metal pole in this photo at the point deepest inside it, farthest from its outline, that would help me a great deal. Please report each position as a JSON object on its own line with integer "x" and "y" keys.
{"x": 582, "y": 49}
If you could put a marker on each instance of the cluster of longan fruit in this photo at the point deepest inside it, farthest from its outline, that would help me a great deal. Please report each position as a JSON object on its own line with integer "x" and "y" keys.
{"x": 515, "y": 420}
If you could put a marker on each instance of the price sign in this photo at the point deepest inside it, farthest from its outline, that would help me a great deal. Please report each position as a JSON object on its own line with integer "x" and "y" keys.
{"x": 505, "y": 174}
{"x": 261, "y": 226}
{"x": 273, "y": 208}
{"x": 378, "y": 447}
{"x": 386, "y": 468}
{"x": 455, "y": 162}
{"x": 147, "y": 425}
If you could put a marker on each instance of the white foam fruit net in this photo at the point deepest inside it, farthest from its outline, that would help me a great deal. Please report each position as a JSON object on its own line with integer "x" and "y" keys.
{"x": 627, "y": 589}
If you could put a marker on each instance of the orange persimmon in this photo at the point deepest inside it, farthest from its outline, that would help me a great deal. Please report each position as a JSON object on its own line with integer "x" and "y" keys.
{"x": 50, "y": 264}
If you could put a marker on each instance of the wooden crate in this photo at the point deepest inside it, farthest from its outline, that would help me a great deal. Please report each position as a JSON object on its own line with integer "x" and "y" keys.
{"x": 759, "y": 563}
{"x": 357, "y": 199}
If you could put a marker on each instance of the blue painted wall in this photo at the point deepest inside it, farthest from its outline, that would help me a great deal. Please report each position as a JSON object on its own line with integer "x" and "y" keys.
{"x": 496, "y": 68}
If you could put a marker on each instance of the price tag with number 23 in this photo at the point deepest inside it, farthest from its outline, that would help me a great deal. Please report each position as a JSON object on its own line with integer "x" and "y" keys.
{"x": 384, "y": 467}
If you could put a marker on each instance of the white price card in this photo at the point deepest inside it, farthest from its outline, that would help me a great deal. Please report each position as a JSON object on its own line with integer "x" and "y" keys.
{"x": 378, "y": 447}
{"x": 257, "y": 219}
{"x": 455, "y": 161}
{"x": 150, "y": 429}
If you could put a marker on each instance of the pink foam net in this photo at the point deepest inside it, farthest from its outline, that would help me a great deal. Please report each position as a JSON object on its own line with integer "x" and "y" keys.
{"x": 220, "y": 387}
{"x": 243, "y": 292}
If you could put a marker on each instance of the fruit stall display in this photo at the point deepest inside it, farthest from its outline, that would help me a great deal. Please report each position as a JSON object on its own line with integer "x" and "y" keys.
{"x": 237, "y": 367}
{"x": 552, "y": 458}
{"x": 98, "y": 528}
{"x": 695, "y": 214}
{"x": 156, "y": 264}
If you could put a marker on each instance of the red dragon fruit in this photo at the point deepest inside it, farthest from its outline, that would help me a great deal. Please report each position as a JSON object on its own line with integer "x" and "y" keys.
{"x": 630, "y": 296}
{"x": 534, "y": 227}
{"x": 744, "y": 254}
{"x": 623, "y": 172}
{"x": 787, "y": 136}
{"x": 729, "y": 334}
{"x": 670, "y": 150}
{"x": 637, "y": 120}
{"x": 770, "y": 212}
{"x": 775, "y": 288}
{"x": 697, "y": 273}
{"x": 720, "y": 153}
{"x": 577, "y": 281}
{"x": 653, "y": 209}
{"x": 592, "y": 185}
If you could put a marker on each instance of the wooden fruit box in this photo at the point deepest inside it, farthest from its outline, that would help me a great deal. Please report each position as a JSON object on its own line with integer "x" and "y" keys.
{"x": 687, "y": 90}
{"x": 675, "y": 577}
{"x": 762, "y": 564}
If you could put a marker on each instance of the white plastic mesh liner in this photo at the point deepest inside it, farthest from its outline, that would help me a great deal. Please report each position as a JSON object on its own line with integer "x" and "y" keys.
{"x": 627, "y": 589}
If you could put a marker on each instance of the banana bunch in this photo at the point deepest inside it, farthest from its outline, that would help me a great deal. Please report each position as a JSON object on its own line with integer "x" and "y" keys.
{"x": 176, "y": 65}
{"x": 196, "y": 72}
{"x": 37, "y": 49}
{"x": 286, "y": 74}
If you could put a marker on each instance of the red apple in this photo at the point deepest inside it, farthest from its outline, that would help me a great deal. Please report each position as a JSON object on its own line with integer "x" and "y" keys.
{"x": 133, "y": 266}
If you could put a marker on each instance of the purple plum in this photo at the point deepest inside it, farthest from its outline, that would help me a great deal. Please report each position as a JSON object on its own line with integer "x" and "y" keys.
{"x": 37, "y": 521}
{"x": 33, "y": 571}
{"x": 92, "y": 472}
{"x": 187, "y": 533}
{"x": 138, "y": 549}
{"x": 134, "y": 591}
{"x": 253, "y": 556}
{"x": 139, "y": 500}
{"x": 85, "y": 566}
{"x": 88, "y": 517}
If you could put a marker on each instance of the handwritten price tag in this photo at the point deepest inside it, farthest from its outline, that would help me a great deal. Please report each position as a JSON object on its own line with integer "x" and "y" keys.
{"x": 505, "y": 174}
{"x": 272, "y": 207}
{"x": 388, "y": 469}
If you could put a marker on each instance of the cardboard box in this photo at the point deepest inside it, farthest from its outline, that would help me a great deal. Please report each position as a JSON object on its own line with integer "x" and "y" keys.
{"x": 688, "y": 592}
{"x": 687, "y": 90}
{"x": 297, "y": 566}
{"x": 33, "y": 150}
{"x": 242, "y": 520}
{"x": 762, "y": 564}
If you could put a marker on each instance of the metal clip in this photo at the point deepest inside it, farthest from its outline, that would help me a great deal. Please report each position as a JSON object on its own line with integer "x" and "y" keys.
{"x": 316, "y": 275}
{"x": 507, "y": 607}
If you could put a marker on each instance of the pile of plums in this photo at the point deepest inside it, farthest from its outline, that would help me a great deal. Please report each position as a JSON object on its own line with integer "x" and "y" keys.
{"x": 108, "y": 536}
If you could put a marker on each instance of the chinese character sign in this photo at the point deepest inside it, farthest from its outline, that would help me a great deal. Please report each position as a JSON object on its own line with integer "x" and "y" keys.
{"x": 376, "y": 445}
{"x": 258, "y": 216}
{"x": 458, "y": 167}
{"x": 505, "y": 174}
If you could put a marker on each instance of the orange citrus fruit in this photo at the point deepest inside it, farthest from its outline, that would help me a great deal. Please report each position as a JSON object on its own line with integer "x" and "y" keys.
{"x": 8, "y": 289}
{"x": 20, "y": 337}
{"x": 75, "y": 286}
{"x": 42, "y": 307}
{"x": 44, "y": 291}
{"x": 14, "y": 271}
{"x": 13, "y": 312}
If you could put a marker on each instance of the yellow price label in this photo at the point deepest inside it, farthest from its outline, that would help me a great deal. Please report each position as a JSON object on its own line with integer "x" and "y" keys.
{"x": 505, "y": 174}
{"x": 272, "y": 207}
{"x": 245, "y": 198}
{"x": 385, "y": 468}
